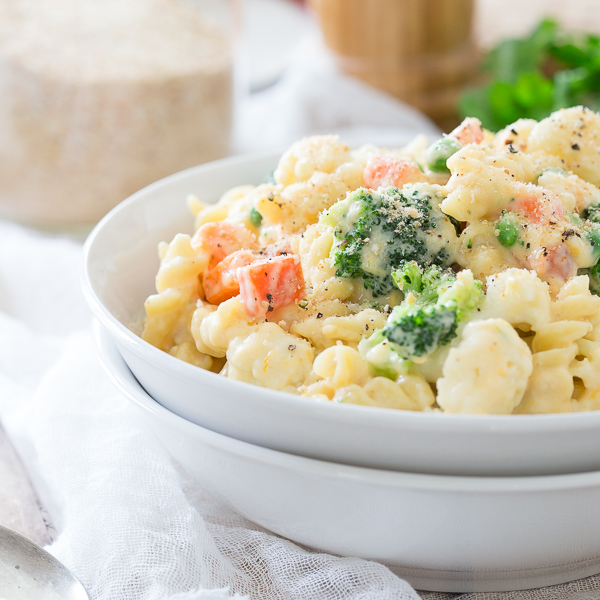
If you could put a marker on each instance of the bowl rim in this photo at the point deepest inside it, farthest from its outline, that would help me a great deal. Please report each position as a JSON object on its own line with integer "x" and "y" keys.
{"x": 125, "y": 382}
{"x": 340, "y": 413}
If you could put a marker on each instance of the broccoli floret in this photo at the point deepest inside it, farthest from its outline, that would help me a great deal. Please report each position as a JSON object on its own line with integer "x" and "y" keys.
{"x": 464, "y": 294}
{"x": 409, "y": 279}
{"x": 419, "y": 330}
{"x": 591, "y": 231}
{"x": 592, "y": 235}
{"x": 591, "y": 213}
{"x": 376, "y": 232}
{"x": 594, "y": 274}
{"x": 426, "y": 285}
{"x": 436, "y": 301}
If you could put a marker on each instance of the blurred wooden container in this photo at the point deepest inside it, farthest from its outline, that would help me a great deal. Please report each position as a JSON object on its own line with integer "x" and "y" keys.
{"x": 421, "y": 51}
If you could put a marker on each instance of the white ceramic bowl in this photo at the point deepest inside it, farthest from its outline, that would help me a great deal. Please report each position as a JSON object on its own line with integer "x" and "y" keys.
{"x": 442, "y": 533}
{"x": 120, "y": 265}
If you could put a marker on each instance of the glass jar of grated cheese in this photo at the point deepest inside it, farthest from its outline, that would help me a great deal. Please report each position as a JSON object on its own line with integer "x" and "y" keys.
{"x": 100, "y": 99}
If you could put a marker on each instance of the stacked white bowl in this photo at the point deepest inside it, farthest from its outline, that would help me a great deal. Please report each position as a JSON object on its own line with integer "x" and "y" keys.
{"x": 451, "y": 503}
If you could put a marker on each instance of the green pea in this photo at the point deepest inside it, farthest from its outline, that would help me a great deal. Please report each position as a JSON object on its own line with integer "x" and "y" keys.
{"x": 439, "y": 152}
{"x": 507, "y": 230}
{"x": 255, "y": 217}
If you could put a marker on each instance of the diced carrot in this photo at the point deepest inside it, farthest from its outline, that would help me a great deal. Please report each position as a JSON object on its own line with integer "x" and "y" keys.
{"x": 383, "y": 171}
{"x": 539, "y": 206}
{"x": 469, "y": 131}
{"x": 222, "y": 238}
{"x": 221, "y": 283}
{"x": 268, "y": 284}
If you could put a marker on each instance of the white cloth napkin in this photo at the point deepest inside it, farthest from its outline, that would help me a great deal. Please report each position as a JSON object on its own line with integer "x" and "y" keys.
{"x": 129, "y": 523}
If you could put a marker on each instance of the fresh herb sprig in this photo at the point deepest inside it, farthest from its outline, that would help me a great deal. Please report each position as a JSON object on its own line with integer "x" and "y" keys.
{"x": 533, "y": 76}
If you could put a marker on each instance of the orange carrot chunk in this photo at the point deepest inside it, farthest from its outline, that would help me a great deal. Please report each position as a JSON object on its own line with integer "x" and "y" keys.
{"x": 540, "y": 206}
{"x": 469, "y": 131}
{"x": 383, "y": 171}
{"x": 221, "y": 283}
{"x": 222, "y": 238}
{"x": 268, "y": 284}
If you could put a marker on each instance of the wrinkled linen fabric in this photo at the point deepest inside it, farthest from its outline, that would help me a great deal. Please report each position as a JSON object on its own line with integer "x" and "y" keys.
{"x": 128, "y": 522}
{"x": 582, "y": 589}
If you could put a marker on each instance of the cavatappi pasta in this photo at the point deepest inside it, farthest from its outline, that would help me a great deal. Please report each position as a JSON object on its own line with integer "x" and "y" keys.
{"x": 459, "y": 277}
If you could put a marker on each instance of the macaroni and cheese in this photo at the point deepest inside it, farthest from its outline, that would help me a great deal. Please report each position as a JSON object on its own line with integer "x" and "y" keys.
{"x": 459, "y": 277}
